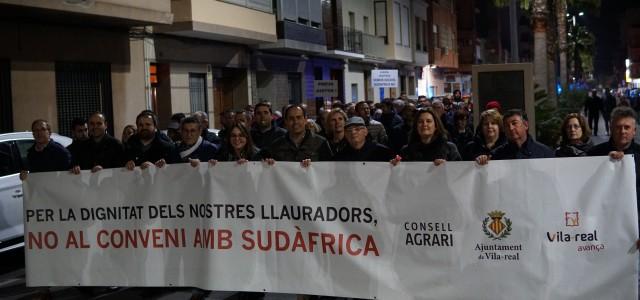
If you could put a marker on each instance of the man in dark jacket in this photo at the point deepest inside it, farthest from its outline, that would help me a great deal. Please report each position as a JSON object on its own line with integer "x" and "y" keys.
{"x": 593, "y": 106}
{"x": 621, "y": 142}
{"x": 265, "y": 131}
{"x": 207, "y": 135}
{"x": 147, "y": 146}
{"x": 101, "y": 150}
{"x": 520, "y": 145}
{"x": 359, "y": 148}
{"x": 298, "y": 144}
{"x": 193, "y": 148}
{"x": 46, "y": 155}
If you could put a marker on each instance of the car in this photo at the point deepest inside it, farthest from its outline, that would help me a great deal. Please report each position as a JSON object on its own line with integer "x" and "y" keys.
{"x": 13, "y": 155}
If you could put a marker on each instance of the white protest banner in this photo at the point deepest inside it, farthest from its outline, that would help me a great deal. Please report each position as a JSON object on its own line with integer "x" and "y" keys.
{"x": 384, "y": 78}
{"x": 522, "y": 229}
{"x": 325, "y": 88}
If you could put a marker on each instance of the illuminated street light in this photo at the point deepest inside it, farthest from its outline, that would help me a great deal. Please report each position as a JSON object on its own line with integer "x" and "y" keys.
{"x": 581, "y": 14}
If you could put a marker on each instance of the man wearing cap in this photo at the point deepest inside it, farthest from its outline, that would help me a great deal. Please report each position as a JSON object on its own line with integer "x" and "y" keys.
{"x": 520, "y": 145}
{"x": 359, "y": 148}
{"x": 173, "y": 128}
{"x": 377, "y": 133}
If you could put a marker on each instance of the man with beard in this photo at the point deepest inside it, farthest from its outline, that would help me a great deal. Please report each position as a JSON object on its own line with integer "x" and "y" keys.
{"x": 193, "y": 148}
{"x": 147, "y": 147}
{"x": 299, "y": 144}
{"x": 359, "y": 148}
{"x": 265, "y": 131}
{"x": 377, "y": 133}
{"x": 101, "y": 150}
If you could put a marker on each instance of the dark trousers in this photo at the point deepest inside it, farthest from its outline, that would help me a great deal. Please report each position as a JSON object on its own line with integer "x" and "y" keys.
{"x": 594, "y": 118}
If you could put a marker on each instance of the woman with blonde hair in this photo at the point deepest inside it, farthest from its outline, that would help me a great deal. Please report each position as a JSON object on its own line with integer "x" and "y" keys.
{"x": 489, "y": 136}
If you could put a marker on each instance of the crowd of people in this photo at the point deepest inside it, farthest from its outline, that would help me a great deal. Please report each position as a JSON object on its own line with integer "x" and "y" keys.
{"x": 392, "y": 131}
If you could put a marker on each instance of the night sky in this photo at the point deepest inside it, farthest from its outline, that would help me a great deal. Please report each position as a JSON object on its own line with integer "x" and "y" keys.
{"x": 610, "y": 42}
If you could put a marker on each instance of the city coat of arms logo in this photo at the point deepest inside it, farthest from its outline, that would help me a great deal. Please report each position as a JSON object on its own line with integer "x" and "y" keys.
{"x": 496, "y": 226}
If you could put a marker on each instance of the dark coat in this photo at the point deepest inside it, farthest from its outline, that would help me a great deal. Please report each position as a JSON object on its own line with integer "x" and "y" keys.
{"x": 461, "y": 139}
{"x": 369, "y": 152}
{"x": 157, "y": 150}
{"x": 478, "y": 146}
{"x": 107, "y": 153}
{"x": 313, "y": 147}
{"x": 437, "y": 149}
{"x": 210, "y": 137}
{"x": 339, "y": 146}
{"x": 264, "y": 139}
{"x": 227, "y": 154}
{"x": 574, "y": 150}
{"x": 204, "y": 153}
{"x": 54, "y": 157}
{"x": 530, "y": 149}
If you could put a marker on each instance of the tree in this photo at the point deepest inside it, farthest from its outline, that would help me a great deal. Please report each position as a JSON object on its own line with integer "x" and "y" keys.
{"x": 539, "y": 15}
{"x": 561, "y": 11}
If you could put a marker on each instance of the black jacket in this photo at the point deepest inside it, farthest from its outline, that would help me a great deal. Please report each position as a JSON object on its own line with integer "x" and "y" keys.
{"x": 478, "y": 147}
{"x": 203, "y": 153}
{"x": 530, "y": 149}
{"x": 107, "y": 153}
{"x": 264, "y": 139}
{"x": 369, "y": 152}
{"x": 158, "y": 149}
{"x": 54, "y": 157}
{"x": 226, "y": 154}
{"x": 313, "y": 147}
{"x": 573, "y": 150}
{"x": 437, "y": 149}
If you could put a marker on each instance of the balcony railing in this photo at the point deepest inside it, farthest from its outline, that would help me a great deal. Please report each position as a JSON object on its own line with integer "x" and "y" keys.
{"x": 344, "y": 39}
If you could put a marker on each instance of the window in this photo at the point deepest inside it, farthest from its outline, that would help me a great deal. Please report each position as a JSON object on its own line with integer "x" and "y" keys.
{"x": 294, "y": 82}
{"x": 352, "y": 20}
{"x": 354, "y": 92}
{"x": 425, "y": 36}
{"x": 261, "y": 5}
{"x": 198, "y": 92}
{"x": 305, "y": 12}
{"x": 436, "y": 38}
{"x": 418, "y": 24}
{"x": 405, "y": 26}
{"x": 81, "y": 89}
{"x": 23, "y": 148}
{"x": 6, "y": 110}
{"x": 7, "y": 167}
{"x": 403, "y": 84}
{"x": 365, "y": 24}
{"x": 412, "y": 85}
{"x": 380, "y": 14}
{"x": 397, "y": 22}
